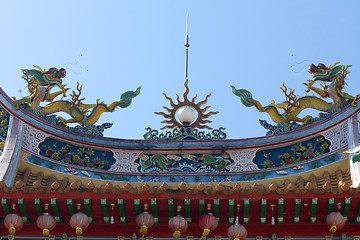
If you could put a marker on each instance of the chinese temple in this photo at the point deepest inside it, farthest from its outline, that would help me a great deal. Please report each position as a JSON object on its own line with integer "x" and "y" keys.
{"x": 187, "y": 180}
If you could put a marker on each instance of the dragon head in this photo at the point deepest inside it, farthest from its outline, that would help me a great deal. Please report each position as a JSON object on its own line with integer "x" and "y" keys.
{"x": 327, "y": 74}
{"x": 53, "y": 74}
{"x": 51, "y": 77}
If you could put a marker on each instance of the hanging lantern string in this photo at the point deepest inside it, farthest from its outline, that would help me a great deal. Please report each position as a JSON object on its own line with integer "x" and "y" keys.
{"x": 237, "y": 214}
{"x": 112, "y": 213}
{"x": 143, "y": 231}
{"x": 272, "y": 214}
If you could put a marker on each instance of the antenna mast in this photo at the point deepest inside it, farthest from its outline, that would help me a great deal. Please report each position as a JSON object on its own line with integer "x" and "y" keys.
{"x": 186, "y": 46}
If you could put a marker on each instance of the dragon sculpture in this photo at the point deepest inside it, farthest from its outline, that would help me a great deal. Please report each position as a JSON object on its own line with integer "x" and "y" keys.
{"x": 333, "y": 75}
{"x": 41, "y": 82}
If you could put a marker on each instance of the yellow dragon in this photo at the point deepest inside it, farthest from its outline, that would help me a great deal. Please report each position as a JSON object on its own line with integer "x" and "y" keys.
{"x": 41, "y": 82}
{"x": 334, "y": 74}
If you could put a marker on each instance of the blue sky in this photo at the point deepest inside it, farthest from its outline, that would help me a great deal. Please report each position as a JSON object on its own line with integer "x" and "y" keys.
{"x": 255, "y": 45}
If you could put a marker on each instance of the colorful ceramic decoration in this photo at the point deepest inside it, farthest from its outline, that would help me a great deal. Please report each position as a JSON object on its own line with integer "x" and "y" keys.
{"x": 185, "y": 133}
{"x": 296, "y": 153}
{"x": 41, "y": 82}
{"x": 199, "y": 121}
{"x": 4, "y": 123}
{"x": 184, "y": 163}
{"x": 333, "y": 78}
{"x": 75, "y": 155}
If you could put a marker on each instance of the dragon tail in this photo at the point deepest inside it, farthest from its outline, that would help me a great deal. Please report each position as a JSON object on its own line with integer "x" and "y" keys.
{"x": 128, "y": 96}
{"x": 244, "y": 95}
{"x": 100, "y": 108}
{"x": 248, "y": 101}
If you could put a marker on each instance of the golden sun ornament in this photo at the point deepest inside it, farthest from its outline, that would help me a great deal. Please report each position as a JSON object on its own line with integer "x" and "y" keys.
{"x": 200, "y": 119}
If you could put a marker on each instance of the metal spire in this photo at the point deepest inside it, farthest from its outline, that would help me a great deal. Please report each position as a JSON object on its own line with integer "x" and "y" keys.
{"x": 186, "y": 45}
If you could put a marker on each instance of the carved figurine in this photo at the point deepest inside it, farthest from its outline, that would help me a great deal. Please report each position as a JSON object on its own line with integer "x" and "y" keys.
{"x": 41, "y": 82}
{"x": 334, "y": 75}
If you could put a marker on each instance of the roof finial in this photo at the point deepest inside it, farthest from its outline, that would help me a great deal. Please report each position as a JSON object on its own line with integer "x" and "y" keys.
{"x": 186, "y": 46}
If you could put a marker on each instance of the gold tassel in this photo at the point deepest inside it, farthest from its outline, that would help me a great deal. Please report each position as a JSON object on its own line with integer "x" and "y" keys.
{"x": 12, "y": 230}
{"x": 333, "y": 228}
{"x": 205, "y": 233}
{"x": 78, "y": 230}
{"x": 143, "y": 229}
{"x": 46, "y": 232}
{"x": 177, "y": 234}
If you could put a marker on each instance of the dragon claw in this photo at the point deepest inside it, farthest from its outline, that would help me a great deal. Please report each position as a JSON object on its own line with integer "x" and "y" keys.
{"x": 354, "y": 101}
{"x": 63, "y": 121}
{"x": 17, "y": 106}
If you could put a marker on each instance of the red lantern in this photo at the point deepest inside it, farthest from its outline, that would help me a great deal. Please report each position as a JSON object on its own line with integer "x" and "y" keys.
{"x": 46, "y": 222}
{"x": 237, "y": 232}
{"x": 335, "y": 221}
{"x": 79, "y": 221}
{"x": 144, "y": 220}
{"x": 13, "y": 222}
{"x": 209, "y": 223}
{"x": 178, "y": 224}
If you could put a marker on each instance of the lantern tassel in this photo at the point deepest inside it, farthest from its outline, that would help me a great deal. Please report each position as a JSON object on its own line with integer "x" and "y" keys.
{"x": 78, "y": 230}
{"x": 45, "y": 232}
{"x": 12, "y": 230}
{"x": 143, "y": 229}
{"x": 177, "y": 234}
{"x": 205, "y": 233}
{"x": 333, "y": 229}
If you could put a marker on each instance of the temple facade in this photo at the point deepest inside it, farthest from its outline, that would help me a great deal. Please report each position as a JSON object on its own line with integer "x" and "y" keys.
{"x": 187, "y": 181}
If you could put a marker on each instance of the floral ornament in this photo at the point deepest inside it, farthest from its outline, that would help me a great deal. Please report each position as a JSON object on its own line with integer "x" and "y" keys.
{"x": 2, "y": 144}
{"x": 296, "y": 153}
{"x": 4, "y": 120}
{"x": 84, "y": 157}
{"x": 49, "y": 151}
{"x": 55, "y": 155}
{"x": 267, "y": 163}
{"x": 300, "y": 152}
{"x": 309, "y": 153}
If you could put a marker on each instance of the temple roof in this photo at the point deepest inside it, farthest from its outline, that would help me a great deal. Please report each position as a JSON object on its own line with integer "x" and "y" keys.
{"x": 300, "y": 172}
{"x": 335, "y": 182}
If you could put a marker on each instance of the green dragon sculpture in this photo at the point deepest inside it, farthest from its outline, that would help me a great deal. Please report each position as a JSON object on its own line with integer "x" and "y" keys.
{"x": 218, "y": 163}
{"x": 41, "y": 82}
{"x": 334, "y": 75}
{"x": 160, "y": 161}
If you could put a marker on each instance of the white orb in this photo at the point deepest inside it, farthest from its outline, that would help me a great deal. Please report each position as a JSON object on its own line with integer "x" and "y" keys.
{"x": 186, "y": 115}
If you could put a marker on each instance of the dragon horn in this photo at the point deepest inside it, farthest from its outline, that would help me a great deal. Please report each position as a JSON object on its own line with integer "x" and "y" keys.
{"x": 41, "y": 70}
